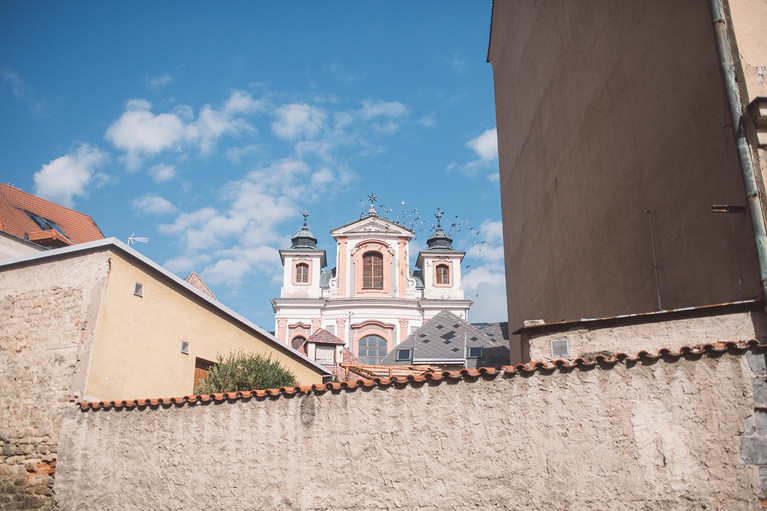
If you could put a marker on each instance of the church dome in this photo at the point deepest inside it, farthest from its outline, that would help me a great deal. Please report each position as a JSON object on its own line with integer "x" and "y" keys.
{"x": 439, "y": 240}
{"x": 304, "y": 238}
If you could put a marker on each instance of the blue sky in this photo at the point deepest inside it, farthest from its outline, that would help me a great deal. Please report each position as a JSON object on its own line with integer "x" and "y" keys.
{"x": 209, "y": 127}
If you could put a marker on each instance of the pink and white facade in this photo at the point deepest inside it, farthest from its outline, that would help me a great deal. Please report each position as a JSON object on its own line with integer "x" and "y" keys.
{"x": 372, "y": 300}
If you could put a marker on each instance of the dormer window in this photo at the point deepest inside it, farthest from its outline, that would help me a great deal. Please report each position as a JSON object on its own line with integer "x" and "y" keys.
{"x": 302, "y": 273}
{"x": 372, "y": 271}
{"x": 442, "y": 275}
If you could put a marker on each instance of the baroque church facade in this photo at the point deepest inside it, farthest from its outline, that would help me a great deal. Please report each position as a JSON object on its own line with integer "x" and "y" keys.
{"x": 372, "y": 300}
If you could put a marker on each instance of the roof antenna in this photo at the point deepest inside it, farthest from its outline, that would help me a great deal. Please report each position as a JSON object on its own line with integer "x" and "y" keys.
{"x": 140, "y": 239}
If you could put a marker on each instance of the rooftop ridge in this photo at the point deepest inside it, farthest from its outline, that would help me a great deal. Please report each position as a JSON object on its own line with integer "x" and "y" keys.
{"x": 692, "y": 353}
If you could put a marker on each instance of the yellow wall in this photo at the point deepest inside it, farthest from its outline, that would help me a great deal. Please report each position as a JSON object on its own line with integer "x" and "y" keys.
{"x": 137, "y": 351}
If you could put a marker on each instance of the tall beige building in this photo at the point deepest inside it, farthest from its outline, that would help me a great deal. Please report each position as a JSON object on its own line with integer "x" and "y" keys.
{"x": 621, "y": 180}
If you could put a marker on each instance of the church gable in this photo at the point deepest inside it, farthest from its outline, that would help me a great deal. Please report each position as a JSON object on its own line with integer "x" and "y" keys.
{"x": 372, "y": 225}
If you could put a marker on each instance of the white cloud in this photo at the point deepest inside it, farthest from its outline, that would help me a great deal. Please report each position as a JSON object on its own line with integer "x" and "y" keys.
{"x": 157, "y": 82}
{"x": 139, "y": 132}
{"x": 485, "y": 145}
{"x": 298, "y": 120}
{"x": 162, "y": 172}
{"x": 428, "y": 121}
{"x": 142, "y": 134}
{"x": 236, "y": 154}
{"x": 22, "y": 91}
{"x": 371, "y": 109}
{"x": 70, "y": 175}
{"x": 153, "y": 205}
{"x": 487, "y": 289}
{"x": 245, "y": 236}
{"x": 186, "y": 264}
{"x": 486, "y": 148}
{"x": 485, "y": 278}
{"x": 240, "y": 102}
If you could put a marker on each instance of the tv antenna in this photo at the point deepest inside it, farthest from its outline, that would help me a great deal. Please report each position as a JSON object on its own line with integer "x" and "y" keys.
{"x": 137, "y": 239}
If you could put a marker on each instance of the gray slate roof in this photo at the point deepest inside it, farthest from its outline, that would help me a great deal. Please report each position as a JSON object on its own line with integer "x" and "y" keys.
{"x": 443, "y": 340}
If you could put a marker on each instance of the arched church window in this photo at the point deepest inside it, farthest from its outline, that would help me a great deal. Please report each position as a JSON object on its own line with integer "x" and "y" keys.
{"x": 297, "y": 342}
{"x": 372, "y": 349}
{"x": 302, "y": 273}
{"x": 443, "y": 275}
{"x": 372, "y": 271}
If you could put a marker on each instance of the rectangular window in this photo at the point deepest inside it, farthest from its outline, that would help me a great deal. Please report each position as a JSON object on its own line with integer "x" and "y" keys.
{"x": 302, "y": 273}
{"x": 443, "y": 275}
{"x": 403, "y": 354}
{"x": 475, "y": 352}
{"x": 372, "y": 271}
{"x": 201, "y": 370}
{"x": 138, "y": 289}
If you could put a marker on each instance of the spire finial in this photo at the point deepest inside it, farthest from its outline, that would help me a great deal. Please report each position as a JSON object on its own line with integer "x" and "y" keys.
{"x": 372, "y": 211}
{"x": 306, "y": 214}
{"x": 438, "y": 214}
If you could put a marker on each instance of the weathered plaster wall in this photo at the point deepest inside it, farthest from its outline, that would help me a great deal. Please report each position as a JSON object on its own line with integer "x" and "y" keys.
{"x": 587, "y": 341}
{"x": 647, "y": 435}
{"x": 606, "y": 110}
{"x": 47, "y": 320}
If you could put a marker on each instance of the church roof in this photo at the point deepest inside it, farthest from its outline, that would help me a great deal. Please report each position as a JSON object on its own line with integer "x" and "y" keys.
{"x": 439, "y": 240}
{"x": 304, "y": 238}
{"x": 46, "y": 223}
{"x": 446, "y": 339}
{"x": 322, "y": 336}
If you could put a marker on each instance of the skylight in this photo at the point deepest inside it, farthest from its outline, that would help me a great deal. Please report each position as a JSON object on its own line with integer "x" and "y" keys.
{"x": 46, "y": 224}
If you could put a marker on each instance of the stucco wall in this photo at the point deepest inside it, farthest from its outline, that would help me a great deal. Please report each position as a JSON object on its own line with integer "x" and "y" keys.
{"x": 47, "y": 322}
{"x": 605, "y": 337}
{"x": 659, "y": 434}
{"x": 137, "y": 352}
{"x": 606, "y": 110}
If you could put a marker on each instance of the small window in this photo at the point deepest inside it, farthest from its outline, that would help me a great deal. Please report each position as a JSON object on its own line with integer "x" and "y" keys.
{"x": 372, "y": 271}
{"x": 46, "y": 224}
{"x": 302, "y": 273}
{"x": 185, "y": 347}
{"x": 443, "y": 275}
{"x": 403, "y": 354}
{"x": 138, "y": 289}
{"x": 475, "y": 352}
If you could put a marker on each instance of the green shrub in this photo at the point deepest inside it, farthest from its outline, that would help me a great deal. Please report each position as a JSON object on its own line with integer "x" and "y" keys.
{"x": 245, "y": 371}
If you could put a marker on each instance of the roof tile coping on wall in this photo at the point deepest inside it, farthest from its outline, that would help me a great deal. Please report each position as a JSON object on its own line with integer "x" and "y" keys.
{"x": 544, "y": 368}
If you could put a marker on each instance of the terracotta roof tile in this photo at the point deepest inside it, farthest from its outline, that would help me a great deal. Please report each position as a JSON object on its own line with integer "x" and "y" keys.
{"x": 14, "y": 205}
{"x": 544, "y": 368}
{"x": 322, "y": 336}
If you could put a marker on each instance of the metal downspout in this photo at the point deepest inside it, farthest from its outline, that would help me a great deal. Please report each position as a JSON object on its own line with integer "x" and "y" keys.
{"x": 744, "y": 151}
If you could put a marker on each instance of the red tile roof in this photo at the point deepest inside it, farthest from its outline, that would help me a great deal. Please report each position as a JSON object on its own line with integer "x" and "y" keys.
{"x": 322, "y": 336}
{"x": 197, "y": 282}
{"x": 470, "y": 375}
{"x": 76, "y": 227}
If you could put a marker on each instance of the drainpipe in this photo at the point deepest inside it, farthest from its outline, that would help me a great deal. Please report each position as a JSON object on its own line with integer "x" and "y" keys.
{"x": 744, "y": 151}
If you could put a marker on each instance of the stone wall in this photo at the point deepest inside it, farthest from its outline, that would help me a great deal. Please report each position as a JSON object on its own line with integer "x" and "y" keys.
{"x": 676, "y": 432}
{"x": 46, "y": 325}
{"x": 669, "y": 330}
